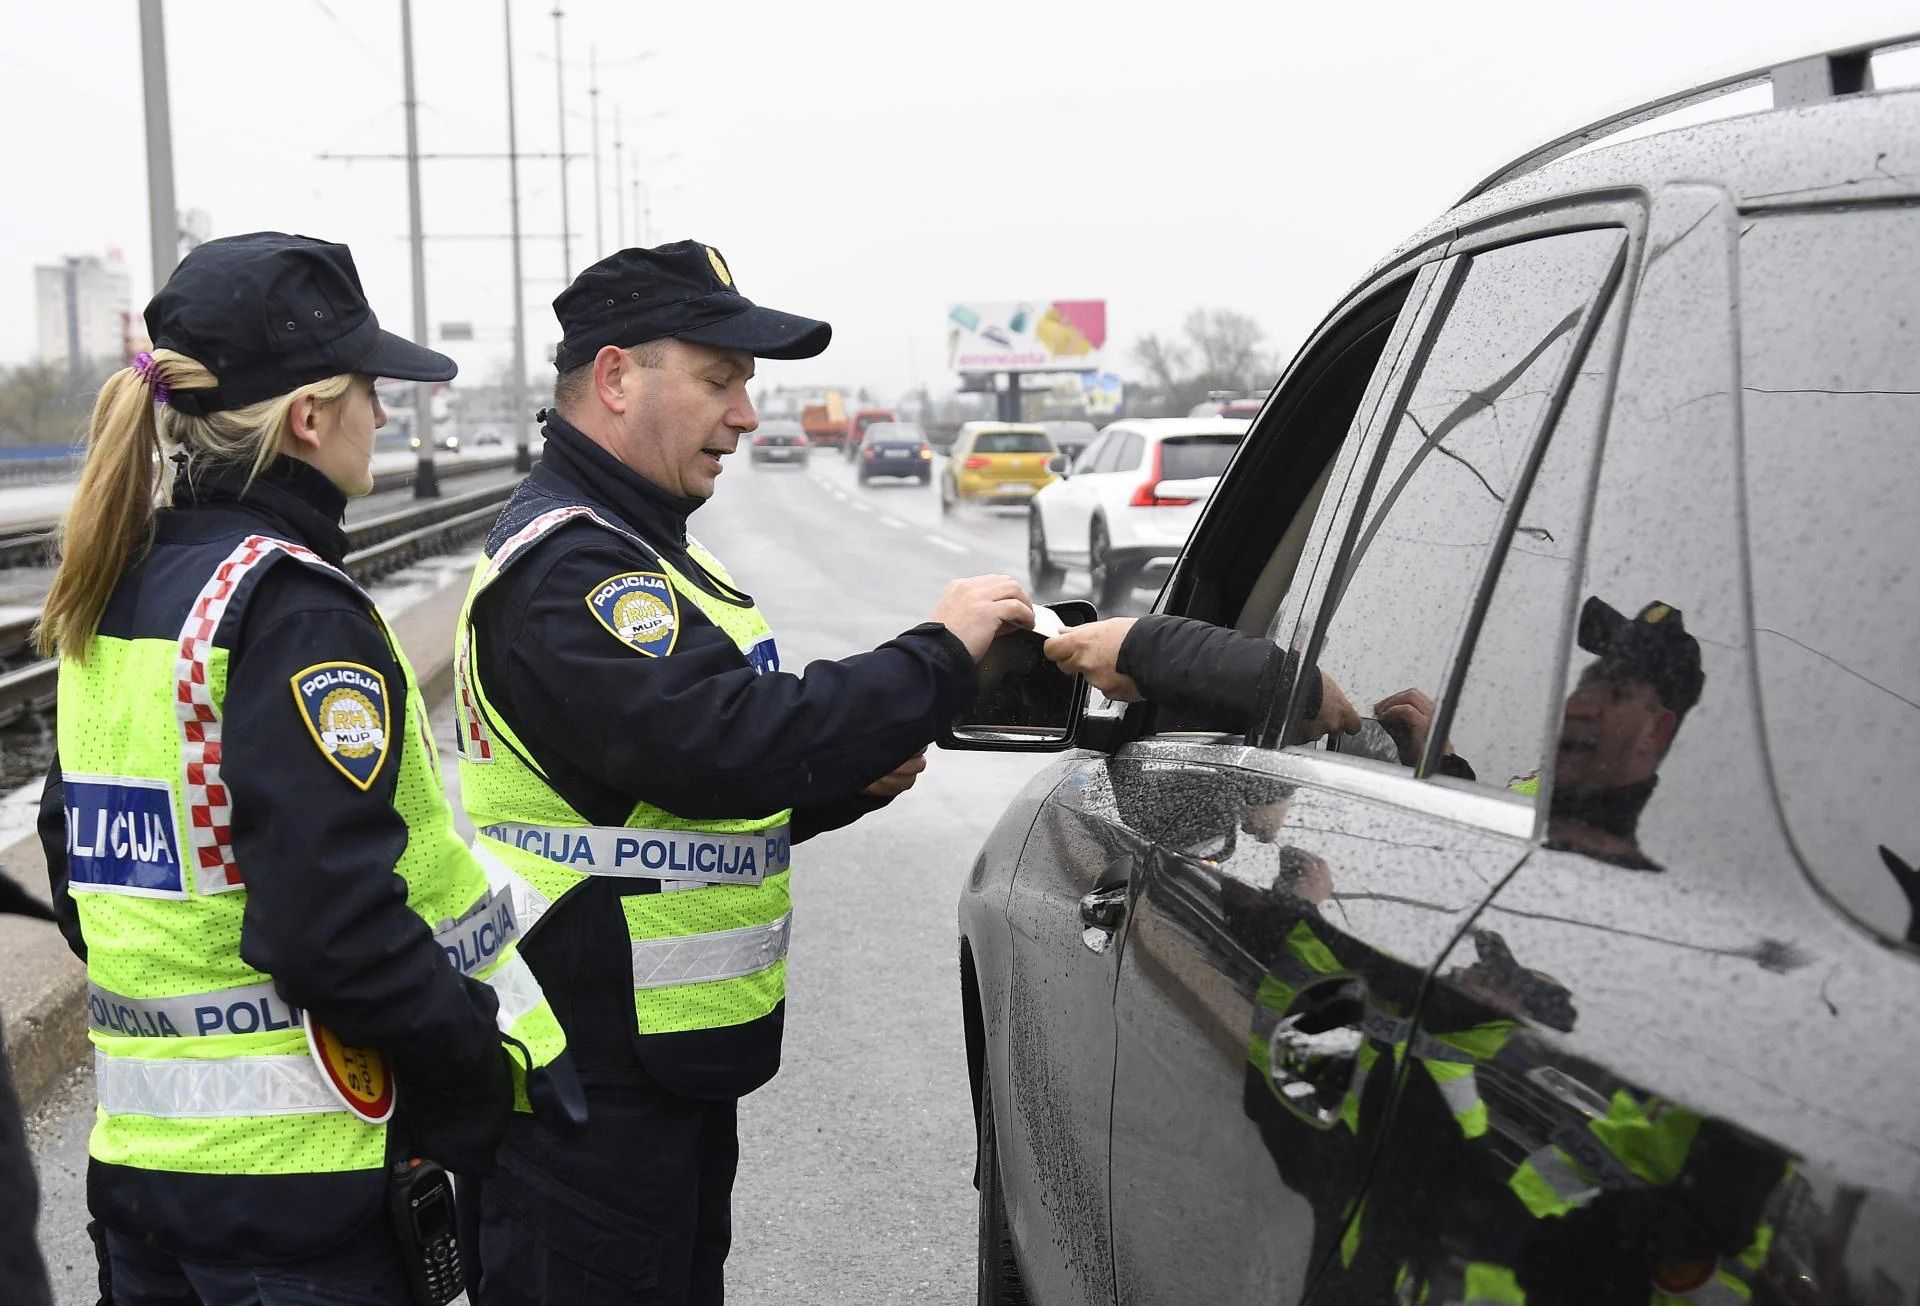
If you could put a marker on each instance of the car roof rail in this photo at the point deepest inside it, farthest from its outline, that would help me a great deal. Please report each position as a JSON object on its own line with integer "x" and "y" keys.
{"x": 1847, "y": 70}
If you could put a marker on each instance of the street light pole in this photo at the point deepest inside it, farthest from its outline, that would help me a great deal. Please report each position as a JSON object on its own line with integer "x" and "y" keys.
{"x": 560, "y": 98}
{"x": 425, "y": 484}
{"x": 163, "y": 219}
{"x": 619, "y": 177}
{"x": 517, "y": 388}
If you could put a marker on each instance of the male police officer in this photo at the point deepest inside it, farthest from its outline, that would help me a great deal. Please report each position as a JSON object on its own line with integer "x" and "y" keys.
{"x": 638, "y": 766}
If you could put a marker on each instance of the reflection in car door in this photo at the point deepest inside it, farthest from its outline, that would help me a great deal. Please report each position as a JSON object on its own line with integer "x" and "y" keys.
{"x": 1283, "y": 928}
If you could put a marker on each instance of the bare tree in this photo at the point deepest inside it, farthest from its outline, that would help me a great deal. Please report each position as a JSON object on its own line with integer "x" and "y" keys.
{"x": 1220, "y": 350}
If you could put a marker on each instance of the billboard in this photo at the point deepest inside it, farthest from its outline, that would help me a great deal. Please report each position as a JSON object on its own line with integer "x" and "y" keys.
{"x": 1063, "y": 335}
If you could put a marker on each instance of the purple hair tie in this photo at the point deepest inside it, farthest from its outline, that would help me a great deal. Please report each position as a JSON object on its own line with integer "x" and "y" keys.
{"x": 144, "y": 365}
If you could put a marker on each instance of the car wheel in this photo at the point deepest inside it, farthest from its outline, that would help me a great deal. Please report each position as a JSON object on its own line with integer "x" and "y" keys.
{"x": 861, "y": 476}
{"x": 1000, "y": 1283}
{"x": 1107, "y": 592}
{"x": 926, "y": 478}
{"x": 1044, "y": 574}
{"x": 946, "y": 497}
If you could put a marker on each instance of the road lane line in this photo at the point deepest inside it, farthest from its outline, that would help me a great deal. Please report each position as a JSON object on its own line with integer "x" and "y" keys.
{"x": 858, "y": 507}
{"x": 942, "y": 542}
{"x": 897, "y": 525}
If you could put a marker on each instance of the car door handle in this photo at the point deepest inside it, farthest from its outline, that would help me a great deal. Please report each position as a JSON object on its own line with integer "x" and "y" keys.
{"x": 1105, "y": 907}
{"x": 1313, "y": 1053}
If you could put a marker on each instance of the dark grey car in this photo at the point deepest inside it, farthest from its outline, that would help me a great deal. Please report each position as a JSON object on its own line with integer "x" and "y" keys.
{"x": 1607, "y": 989}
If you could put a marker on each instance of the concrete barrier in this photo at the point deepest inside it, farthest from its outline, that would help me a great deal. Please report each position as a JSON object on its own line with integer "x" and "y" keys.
{"x": 43, "y": 986}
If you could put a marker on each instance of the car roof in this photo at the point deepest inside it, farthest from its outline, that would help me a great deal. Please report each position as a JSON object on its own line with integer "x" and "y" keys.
{"x": 1024, "y": 428}
{"x": 1159, "y": 428}
{"x": 1854, "y": 149}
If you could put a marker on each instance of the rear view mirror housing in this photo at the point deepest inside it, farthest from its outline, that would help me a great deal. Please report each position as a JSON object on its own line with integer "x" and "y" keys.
{"x": 1025, "y": 703}
{"x": 1058, "y": 465}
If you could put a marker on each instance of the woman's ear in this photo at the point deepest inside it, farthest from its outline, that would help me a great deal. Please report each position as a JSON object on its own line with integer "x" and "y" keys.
{"x": 303, "y": 425}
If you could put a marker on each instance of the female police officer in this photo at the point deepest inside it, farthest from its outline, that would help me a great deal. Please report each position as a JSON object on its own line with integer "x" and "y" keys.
{"x": 260, "y": 867}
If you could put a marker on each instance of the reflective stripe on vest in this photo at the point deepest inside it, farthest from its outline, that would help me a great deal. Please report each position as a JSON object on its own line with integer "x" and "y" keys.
{"x": 698, "y": 958}
{"x": 669, "y": 855}
{"x": 178, "y": 1088}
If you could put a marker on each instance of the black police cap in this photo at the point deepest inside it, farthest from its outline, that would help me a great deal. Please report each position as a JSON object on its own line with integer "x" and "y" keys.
{"x": 1653, "y": 646}
{"x": 267, "y": 313}
{"x": 685, "y": 291}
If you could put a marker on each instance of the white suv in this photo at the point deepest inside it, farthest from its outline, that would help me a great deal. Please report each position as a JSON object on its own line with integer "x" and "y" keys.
{"x": 1126, "y": 508}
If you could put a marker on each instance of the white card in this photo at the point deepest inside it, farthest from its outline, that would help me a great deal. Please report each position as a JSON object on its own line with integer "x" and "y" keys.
{"x": 1046, "y": 622}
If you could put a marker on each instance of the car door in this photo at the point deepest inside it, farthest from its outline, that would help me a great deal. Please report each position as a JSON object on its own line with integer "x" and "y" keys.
{"x": 1270, "y": 971}
{"x": 1115, "y": 484}
{"x": 1069, "y": 504}
{"x": 1704, "y": 979}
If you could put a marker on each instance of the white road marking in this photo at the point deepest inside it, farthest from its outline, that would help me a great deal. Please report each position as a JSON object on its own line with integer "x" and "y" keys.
{"x": 897, "y": 525}
{"x": 942, "y": 542}
{"x": 859, "y": 507}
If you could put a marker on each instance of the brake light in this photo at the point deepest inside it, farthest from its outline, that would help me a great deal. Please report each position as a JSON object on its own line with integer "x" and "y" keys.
{"x": 1144, "y": 496}
{"x": 867, "y": 453}
{"x": 925, "y": 452}
{"x": 976, "y": 463}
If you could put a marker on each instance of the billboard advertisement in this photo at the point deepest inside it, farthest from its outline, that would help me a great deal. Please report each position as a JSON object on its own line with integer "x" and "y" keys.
{"x": 1062, "y": 335}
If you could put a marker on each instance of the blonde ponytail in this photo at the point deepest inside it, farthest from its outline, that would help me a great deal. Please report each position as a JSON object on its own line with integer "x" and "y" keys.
{"x": 121, "y": 482}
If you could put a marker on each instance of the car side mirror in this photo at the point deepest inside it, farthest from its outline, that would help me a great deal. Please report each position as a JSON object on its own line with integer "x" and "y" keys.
{"x": 1058, "y": 465}
{"x": 1025, "y": 703}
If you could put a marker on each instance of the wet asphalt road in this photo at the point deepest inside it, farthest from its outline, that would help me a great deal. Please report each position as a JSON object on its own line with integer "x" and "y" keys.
{"x": 856, "y": 1162}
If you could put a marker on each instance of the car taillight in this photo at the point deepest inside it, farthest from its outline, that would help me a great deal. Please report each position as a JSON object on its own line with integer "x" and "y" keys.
{"x": 925, "y": 452}
{"x": 1144, "y": 497}
{"x": 976, "y": 463}
{"x": 867, "y": 452}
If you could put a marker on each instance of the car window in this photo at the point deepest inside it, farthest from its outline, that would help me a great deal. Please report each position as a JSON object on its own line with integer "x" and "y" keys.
{"x": 1184, "y": 457}
{"x": 1012, "y": 442}
{"x": 1506, "y": 713}
{"x": 1830, "y": 380}
{"x": 1127, "y": 457}
{"x": 1103, "y": 455}
{"x": 1435, "y": 503}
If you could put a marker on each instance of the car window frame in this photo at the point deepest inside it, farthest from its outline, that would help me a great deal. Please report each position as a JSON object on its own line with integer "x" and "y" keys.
{"x": 1627, "y": 213}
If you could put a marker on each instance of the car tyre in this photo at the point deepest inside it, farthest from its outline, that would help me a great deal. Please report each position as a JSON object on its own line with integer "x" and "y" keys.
{"x": 947, "y": 497}
{"x": 861, "y": 476}
{"x": 1107, "y": 590}
{"x": 1044, "y": 574}
{"x": 1000, "y": 1283}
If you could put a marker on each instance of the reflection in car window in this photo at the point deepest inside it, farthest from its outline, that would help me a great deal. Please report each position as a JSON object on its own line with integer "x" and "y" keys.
{"x": 1451, "y": 464}
{"x": 1509, "y": 705}
{"x": 1830, "y": 354}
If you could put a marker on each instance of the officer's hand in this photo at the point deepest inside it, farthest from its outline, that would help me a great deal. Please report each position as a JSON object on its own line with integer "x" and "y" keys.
{"x": 1093, "y": 651}
{"x": 1408, "y": 718}
{"x": 900, "y": 779}
{"x": 1336, "y": 716}
{"x": 981, "y": 607}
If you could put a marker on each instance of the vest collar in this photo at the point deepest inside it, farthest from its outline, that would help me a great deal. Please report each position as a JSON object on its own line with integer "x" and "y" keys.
{"x": 292, "y": 499}
{"x": 650, "y": 510}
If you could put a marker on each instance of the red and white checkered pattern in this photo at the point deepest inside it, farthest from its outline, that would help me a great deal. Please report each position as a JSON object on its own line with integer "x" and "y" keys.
{"x": 474, "y": 740}
{"x": 209, "y": 807}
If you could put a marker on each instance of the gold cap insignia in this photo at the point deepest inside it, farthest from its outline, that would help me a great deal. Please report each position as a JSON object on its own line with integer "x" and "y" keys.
{"x": 719, "y": 267}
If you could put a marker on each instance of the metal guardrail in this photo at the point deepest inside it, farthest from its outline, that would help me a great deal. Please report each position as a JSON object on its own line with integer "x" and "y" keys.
{"x": 378, "y": 547}
{"x": 28, "y": 545}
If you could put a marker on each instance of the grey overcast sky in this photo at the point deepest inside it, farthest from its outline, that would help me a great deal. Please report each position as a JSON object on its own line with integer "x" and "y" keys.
{"x": 866, "y": 161}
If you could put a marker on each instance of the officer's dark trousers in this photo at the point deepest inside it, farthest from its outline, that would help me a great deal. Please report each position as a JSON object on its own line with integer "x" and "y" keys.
{"x": 363, "y": 1272}
{"x": 636, "y": 1209}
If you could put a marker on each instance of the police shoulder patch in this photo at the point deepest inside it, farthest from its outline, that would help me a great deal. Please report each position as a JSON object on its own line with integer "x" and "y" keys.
{"x": 345, "y": 708}
{"x": 640, "y": 609}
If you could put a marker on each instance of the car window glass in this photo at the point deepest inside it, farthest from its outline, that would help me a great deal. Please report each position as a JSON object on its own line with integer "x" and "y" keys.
{"x": 1507, "y": 709}
{"x": 1830, "y": 358}
{"x": 1100, "y": 458}
{"x": 1185, "y": 457}
{"x": 1437, "y": 497}
{"x": 1012, "y": 442}
{"x": 1127, "y": 459}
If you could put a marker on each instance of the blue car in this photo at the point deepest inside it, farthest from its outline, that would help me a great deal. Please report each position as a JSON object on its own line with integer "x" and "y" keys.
{"x": 896, "y": 449}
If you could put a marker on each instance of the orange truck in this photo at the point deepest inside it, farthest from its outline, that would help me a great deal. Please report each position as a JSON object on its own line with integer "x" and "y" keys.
{"x": 825, "y": 423}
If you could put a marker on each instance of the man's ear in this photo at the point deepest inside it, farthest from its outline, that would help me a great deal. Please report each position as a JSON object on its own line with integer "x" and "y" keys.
{"x": 610, "y": 368}
{"x": 303, "y": 424}
{"x": 1665, "y": 723}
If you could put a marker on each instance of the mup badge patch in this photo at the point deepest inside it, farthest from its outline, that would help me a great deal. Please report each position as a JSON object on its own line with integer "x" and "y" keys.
{"x": 345, "y": 707}
{"x": 640, "y": 609}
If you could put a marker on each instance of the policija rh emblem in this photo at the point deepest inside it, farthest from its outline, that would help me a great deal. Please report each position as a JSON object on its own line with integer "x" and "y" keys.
{"x": 640, "y": 609}
{"x": 345, "y": 707}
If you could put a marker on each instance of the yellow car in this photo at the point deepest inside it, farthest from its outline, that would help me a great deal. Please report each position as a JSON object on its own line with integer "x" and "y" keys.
{"x": 997, "y": 462}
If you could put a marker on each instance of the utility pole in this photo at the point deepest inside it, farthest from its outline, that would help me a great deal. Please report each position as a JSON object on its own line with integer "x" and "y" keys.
{"x": 619, "y": 176}
{"x": 426, "y": 484}
{"x": 163, "y": 219}
{"x": 560, "y": 98}
{"x": 593, "y": 99}
{"x": 517, "y": 388}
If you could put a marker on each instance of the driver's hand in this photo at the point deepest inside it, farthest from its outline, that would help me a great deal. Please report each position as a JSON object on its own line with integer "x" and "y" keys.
{"x": 1407, "y": 717}
{"x": 1336, "y": 715}
{"x": 1093, "y": 651}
